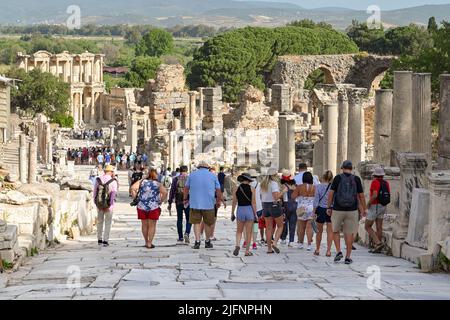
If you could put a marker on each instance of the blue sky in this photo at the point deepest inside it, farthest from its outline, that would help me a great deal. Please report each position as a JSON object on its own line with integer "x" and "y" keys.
{"x": 362, "y": 4}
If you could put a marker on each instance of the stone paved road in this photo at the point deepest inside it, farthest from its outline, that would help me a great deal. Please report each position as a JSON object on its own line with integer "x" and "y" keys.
{"x": 127, "y": 270}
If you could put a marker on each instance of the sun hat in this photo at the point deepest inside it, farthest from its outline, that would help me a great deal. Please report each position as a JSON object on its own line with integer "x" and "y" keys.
{"x": 286, "y": 175}
{"x": 203, "y": 164}
{"x": 272, "y": 172}
{"x": 109, "y": 168}
{"x": 378, "y": 172}
{"x": 245, "y": 176}
{"x": 347, "y": 164}
{"x": 253, "y": 173}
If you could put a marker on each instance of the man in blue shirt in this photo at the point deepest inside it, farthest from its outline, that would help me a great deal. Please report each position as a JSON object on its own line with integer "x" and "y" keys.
{"x": 203, "y": 191}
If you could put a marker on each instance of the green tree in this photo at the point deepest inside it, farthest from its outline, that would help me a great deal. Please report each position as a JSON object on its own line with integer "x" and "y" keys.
{"x": 432, "y": 25}
{"x": 370, "y": 40}
{"x": 246, "y": 56}
{"x": 408, "y": 40}
{"x": 133, "y": 37}
{"x": 142, "y": 69}
{"x": 155, "y": 43}
{"x": 308, "y": 23}
{"x": 40, "y": 92}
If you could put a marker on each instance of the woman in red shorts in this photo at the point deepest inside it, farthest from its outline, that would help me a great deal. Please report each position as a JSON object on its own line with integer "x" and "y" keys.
{"x": 150, "y": 194}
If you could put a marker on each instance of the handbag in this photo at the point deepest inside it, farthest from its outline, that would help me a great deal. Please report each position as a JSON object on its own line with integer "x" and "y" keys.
{"x": 135, "y": 201}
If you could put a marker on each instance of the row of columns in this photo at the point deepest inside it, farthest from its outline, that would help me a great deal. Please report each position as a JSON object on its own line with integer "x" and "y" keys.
{"x": 403, "y": 117}
{"x": 344, "y": 133}
{"x": 79, "y": 108}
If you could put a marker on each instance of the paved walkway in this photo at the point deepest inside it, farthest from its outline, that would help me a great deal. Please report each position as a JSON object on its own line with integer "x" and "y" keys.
{"x": 127, "y": 270}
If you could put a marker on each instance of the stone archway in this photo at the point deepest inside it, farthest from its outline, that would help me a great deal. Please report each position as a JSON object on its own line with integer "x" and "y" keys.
{"x": 361, "y": 70}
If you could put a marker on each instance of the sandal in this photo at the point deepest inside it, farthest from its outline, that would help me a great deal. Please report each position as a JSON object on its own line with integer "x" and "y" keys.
{"x": 316, "y": 253}
{"x": 270, "y": 252}
{"x": 276, "y": 249}
{"x": 328, "y": 254}
{"x": 248, "y": 254}
{"x": 236, "y": 251}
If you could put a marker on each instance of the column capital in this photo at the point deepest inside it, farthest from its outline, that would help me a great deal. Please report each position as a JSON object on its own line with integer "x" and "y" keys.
{"x": 408, "y": 161}
{"x": 192, "y": 93}
{"x": 439, "y": 182}
{"x": 356, "y": 95}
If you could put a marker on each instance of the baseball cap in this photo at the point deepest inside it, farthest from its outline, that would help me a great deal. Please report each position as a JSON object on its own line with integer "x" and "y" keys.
{"x": 347, "y": 164}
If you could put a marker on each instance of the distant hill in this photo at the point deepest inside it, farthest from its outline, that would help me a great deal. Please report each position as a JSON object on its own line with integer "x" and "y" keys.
{"x": 211, "y": 12}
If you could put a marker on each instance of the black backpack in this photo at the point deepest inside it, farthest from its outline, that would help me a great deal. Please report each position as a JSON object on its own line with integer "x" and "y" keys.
{"x": 103, "y": 198}
{"x": 346, "y": 194}
{"x": 384, "y": 196}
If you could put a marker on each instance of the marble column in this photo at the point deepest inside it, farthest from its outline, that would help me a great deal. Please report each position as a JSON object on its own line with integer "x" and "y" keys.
{"x": 356, "y": 143}
{"x": 342, "y": 141}
{"x": 192, "y": 110}
{"x": 318, "y": 157}
{"x": 45, "y": 141}
{"x": 439, "y": 213}
{"x": 200, "y": 103}
{"x": 92, "y": 108}
{"x": 185, "y": 117}
{"x": 444, "y": 124}
{"x": 402, "y": 113}
{"x": 50, "y": 152}
{"x": 176, "y": 162}
{"x": 383, "y": 121}
{"x": 100, "y": 111}
{"x": 176, "y": 124}
{"x": 421, "y": 130}
{"x": 185, "y": 151}
{"x": 112, "y": 134}
{"x": 171, "y": 150}
{"x": 290, "y": 143}
{"x": 330, "y": 137}
{"x": 32, "y": 161}
{"x": 23, "y": 174}
{"x": 282, "y": 142}
{"x": 134, "y": 136}
{"x": 413, "y": 168}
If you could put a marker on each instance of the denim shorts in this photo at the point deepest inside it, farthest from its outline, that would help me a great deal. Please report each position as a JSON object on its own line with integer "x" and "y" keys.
{"x": 376, "y": 211}
{"x": 245, "y": 213}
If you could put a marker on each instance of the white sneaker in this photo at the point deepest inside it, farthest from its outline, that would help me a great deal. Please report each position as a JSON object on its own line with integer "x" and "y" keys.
{"x": 291, "y": 244}
{"x": 300, "y": 245}
{"x": 283, "y": 241}
{"x": 309, "y": 248}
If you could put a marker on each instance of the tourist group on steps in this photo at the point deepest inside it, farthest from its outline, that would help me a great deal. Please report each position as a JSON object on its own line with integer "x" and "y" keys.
{"x": 276, "y": 207}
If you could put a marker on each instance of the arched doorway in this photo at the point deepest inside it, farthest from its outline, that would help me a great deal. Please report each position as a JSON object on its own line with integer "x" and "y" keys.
{"x": 320, "y": 75}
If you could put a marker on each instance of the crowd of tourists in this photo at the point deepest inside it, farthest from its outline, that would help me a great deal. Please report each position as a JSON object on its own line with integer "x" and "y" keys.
{"x": 274, "y": 207}
{"x": 105, "y": 156}
{"x": 91, "y": 135}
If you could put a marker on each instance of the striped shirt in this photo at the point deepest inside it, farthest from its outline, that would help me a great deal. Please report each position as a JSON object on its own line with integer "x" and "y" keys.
{"x": 321, "y": 195}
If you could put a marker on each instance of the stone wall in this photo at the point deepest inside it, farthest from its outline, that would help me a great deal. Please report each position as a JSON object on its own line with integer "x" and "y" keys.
{"x": 42, "y": 213}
